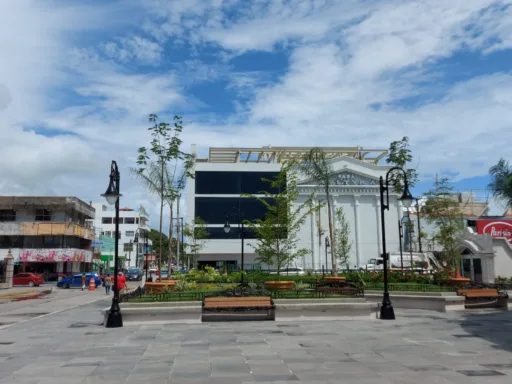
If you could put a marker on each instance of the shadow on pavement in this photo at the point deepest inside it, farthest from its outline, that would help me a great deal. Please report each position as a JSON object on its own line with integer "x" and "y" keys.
{"x": 493, "y": 326}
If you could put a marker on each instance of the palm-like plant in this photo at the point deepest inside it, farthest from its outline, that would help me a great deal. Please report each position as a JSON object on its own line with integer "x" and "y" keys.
{"x": 501, "y": 181}
{"x": 316, "y": 166}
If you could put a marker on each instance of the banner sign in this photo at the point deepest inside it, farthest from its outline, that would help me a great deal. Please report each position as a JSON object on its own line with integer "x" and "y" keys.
{"x": 495, "y": 228}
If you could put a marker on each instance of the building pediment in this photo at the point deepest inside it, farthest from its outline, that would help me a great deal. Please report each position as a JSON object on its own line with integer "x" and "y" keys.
{"x": 346, "y": 178}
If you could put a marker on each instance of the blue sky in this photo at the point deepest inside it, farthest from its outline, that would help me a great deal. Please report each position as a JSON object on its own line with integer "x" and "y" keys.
{"x": 78, "y": 82}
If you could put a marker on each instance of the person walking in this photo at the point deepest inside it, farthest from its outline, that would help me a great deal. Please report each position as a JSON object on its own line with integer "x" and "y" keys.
{"x": 83, "y": 281}
{"x": 121, "y": 282}
{"x": 108, "y": 284}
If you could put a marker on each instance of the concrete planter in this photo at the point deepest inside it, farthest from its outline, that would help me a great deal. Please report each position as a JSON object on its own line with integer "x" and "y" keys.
{"x": 458, "y": 281}
{"x": 279, "y": 285}
{"x": 161, "y": 287}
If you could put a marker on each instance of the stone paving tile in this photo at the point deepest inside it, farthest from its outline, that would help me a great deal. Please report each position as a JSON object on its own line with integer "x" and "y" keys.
{"x": 419, "y": 347}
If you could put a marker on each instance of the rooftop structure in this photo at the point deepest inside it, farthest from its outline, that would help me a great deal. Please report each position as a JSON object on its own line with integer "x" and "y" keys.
{"x": 269, "y": 154}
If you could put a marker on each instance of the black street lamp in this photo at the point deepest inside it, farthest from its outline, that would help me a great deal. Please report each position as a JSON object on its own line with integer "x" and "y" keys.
{"x": 386, "y": 309}
{"x": 145, "y": 236}
{"x": 239, "y": 216}
{"x": 112, "y": 194}
{"x": 327, "y": 245}
{"x": 400, "y": 239}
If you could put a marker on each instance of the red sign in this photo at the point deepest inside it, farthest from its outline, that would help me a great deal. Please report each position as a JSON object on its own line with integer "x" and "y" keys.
{"x": 495, "y": 228}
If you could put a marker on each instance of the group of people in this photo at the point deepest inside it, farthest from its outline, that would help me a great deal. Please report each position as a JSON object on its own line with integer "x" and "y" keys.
{"x": 108, "y": 282}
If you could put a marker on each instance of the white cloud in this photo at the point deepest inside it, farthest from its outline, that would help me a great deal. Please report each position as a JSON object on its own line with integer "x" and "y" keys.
{"x": 72, "y": 69}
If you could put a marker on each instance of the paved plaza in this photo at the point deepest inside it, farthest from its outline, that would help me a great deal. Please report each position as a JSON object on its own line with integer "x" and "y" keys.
{"x": 419, "y": 347}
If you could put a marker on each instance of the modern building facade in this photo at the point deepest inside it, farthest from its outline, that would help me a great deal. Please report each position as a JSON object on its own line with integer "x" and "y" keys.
{"x": 130, "y": 221}
{"x": 226, "y": 173}
{"x": 49, "y": 235}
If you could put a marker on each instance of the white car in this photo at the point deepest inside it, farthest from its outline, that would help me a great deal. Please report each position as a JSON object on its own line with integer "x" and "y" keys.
{"x": 291, "y": 271}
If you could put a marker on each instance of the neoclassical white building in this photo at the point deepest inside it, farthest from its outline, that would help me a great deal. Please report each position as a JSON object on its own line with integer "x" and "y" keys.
{"x": 221, "y": 177}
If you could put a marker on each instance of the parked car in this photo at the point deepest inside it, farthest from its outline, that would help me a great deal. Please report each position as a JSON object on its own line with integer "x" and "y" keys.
{"x": 76, "y": 280}
{"x": 30, "y": 279}
{"x": 133, "y": 274}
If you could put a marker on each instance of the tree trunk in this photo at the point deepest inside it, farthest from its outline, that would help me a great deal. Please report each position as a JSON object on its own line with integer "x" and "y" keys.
{"x": 334, "y": 268}
{"x": 161, "y": 222}
{"x": 169, "y": 259}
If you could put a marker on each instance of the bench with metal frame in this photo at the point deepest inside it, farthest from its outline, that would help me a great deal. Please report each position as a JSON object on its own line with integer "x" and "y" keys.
{"x": 483, "y": 297}
{"x": 238, "y": 304}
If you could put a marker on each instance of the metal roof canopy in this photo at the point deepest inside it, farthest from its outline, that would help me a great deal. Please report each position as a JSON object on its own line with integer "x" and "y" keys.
{"x": 271, "y": 154}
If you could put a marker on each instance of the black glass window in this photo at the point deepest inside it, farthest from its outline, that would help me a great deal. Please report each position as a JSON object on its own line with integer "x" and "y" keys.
{"x": 213, "y": 210}
{"x": 232, "y": 183}
{"x": 218, "y": 233}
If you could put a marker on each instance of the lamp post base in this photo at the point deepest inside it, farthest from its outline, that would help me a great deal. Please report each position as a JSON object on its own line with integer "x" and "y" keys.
{"x": 114, "y": 318}
{"x": 386, "y": 310}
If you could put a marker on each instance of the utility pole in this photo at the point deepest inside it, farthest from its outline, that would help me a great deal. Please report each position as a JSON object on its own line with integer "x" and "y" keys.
{"x": 419, "y": 228}
{"x": 178, "y": 253}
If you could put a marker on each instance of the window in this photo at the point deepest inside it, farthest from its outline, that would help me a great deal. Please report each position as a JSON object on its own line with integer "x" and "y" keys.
{"x": 106, "y": 220}
{"x": 120, "y": 220}
{"x": 232, "y": 183}
{"x": 43, "y": 215}
{"x": 213, "y": 210}
{"x": 7, "y": 215}
{"x": 107, "y": 233}
{"x": 129, "y": 233}
{"x": 137, "y": 220}
{"x": 217, "y": 233}
{"x": 129, "y": 220}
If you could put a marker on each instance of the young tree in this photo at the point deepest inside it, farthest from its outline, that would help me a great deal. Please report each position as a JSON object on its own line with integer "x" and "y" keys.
{"x": 400, "y": 155}
{"x": 196, "y": 234}
{"x": 444, "y": 210}
{"x": 277, "y": 241}
{"x": 342, "y": 233}
{"x": 316, "y": 166}
{"x": 152, "y": 164}
{"x": 501, "y": 181}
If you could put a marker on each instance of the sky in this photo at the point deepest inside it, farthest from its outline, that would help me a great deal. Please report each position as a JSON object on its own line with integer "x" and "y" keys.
{"x": 79, "y": 79}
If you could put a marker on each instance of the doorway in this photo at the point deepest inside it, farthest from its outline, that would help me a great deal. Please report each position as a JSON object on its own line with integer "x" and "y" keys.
{"x": 472, "y": 266}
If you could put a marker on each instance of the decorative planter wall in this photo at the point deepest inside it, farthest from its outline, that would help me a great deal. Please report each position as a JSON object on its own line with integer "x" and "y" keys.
{"x": 284, "y": 285}
{"x": 160, "y": 287}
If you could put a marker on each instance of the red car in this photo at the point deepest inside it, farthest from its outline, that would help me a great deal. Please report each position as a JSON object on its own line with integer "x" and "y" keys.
{"x": 30, "y": 279}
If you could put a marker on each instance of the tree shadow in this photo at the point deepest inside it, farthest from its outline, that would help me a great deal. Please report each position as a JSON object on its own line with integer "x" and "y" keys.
{"x": 494, "y": 326}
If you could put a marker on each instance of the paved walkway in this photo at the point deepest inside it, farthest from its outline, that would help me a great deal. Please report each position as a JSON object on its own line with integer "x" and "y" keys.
{"x": 419, "y": 347}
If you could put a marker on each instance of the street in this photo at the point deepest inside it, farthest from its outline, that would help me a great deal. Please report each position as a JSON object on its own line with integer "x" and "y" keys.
{"x": 72, "y": 346}
{"x": 59, "y": 300}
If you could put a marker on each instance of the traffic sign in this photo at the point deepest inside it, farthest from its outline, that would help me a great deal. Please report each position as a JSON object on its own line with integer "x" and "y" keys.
{"x": 97, "y": 243}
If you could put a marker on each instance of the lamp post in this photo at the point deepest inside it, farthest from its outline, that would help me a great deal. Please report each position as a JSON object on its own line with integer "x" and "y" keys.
{"x": 327, "y": 245}
{"x": 419, "y": 228}
{"x": 112, "y": 195}
{"x": 386, "y": 310}
{"x": 400, "y": 239}
{"x": 145, "y": 248}
{"x": 240, "y": 218}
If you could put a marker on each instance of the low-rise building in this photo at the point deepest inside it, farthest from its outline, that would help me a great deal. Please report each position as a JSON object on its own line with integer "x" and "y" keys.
{"x": 48, "y": 235}
{"x": 131, "y": 221}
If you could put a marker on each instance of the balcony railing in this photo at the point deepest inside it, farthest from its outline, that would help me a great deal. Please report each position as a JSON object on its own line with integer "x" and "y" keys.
{"x": 36, "y": 228}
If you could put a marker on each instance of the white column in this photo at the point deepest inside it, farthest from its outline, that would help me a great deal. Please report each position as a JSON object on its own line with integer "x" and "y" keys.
{"x": 313, "y": 238}
{"x": 379, "y": 225}
{"x": 357, "y": 231}
{"x": 9, "y": 269}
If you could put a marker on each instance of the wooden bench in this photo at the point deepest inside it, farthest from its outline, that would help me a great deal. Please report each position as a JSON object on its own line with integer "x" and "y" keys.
{"x": 483, "y": 298}
{"x": 238, "y": 308}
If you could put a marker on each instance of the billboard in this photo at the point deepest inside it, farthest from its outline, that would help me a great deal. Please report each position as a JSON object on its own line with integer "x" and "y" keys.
{"x": 495, "y": 228}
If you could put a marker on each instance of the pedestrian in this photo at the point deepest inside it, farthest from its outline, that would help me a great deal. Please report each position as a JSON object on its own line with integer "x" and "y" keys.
{"x": 108, "y": 284}
{"x": 83, "y": 281}
{"x": 121, "y": 282}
